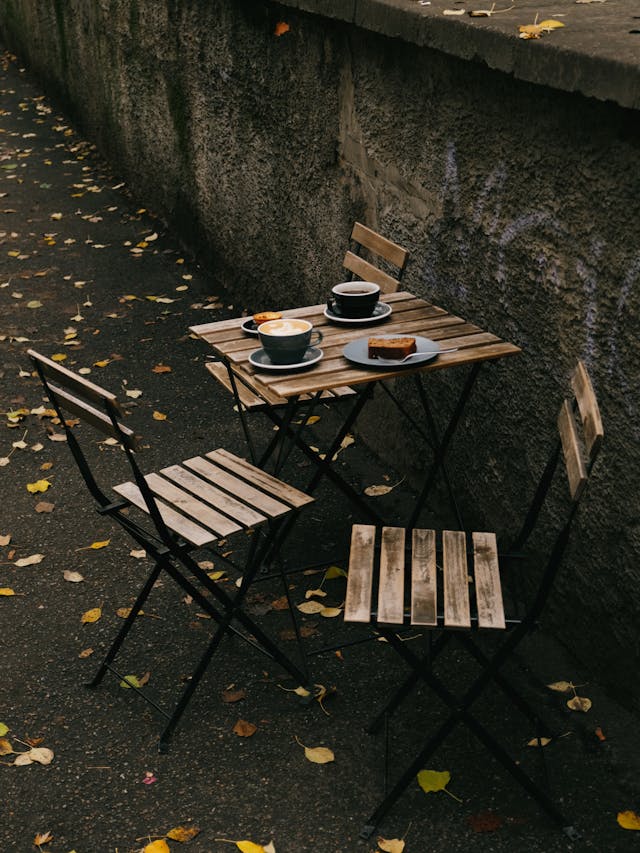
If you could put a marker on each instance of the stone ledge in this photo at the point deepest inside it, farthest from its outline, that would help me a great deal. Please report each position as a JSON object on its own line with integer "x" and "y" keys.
{"x": 595, "y": 53}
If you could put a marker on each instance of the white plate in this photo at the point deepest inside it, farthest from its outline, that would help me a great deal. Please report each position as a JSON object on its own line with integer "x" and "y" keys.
{"x": 380, "y": 312}
{"x": 358, "y": 352}
{"x": 261, "y": 360}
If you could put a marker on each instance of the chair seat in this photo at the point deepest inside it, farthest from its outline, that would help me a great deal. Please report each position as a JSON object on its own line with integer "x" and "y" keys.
{"x": 212, "y": 496}
{"x": 414, "y": 589}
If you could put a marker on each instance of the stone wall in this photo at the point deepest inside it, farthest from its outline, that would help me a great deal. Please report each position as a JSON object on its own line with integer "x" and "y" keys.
{"x": 519, "y": 203}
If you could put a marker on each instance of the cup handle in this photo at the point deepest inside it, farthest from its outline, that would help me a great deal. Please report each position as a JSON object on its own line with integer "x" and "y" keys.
{"x": 331, "y": 304}
{"x": 317, "y": 332}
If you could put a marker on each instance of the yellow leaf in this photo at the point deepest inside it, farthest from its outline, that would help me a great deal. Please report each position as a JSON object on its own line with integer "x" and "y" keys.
{"x": 183, "y": 833}
{"x": 103, "y": 363}
{"x": 310, "y": 607}
{"x": 561, "y": 686}
{"x": 550, "y": 24}
{"x": 42, "y": 838}
{"x": 539, "y": 741}
{"x": 5, "y": 746}
{"x": 628, "y": 820}
{"x": 130, "y": 681}
{"x": 159, "y": 416}
{"x": 435, "y": 780}
{"x": 579, "y": 703}
{"x": 313, "y": 419}
{"x": 3, "y": 729}
{"x": 320, "y": 593}
{"x": 91, "y": 615}
{"x": 38, "y": 486}
{"x": 97, "y": 545}
{"x": 58, "y": 356}
{"x": 330, "y": 612}
{"x": 393, "y": 845}
{"x": 316, "y": 754}
{"x": 334, "y": 572}
{"x": 249, "y": 847}
{"x": 159, "y": 846}
{"x": 5, "y": 590}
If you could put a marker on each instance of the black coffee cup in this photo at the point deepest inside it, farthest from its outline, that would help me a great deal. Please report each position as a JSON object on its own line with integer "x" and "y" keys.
{"x": 354, "y": 299}
{"x": 286, "y": 341}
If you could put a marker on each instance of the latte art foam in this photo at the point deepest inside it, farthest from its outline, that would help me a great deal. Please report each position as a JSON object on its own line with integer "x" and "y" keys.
{"x": 284, "y": 327}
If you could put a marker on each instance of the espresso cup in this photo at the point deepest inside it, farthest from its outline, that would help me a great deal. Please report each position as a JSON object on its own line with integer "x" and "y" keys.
{"x": 354, "y": 299}
{"x": 285, "y": 341}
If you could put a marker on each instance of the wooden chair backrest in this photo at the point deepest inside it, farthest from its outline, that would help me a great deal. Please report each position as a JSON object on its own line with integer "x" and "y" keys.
{"x": 77, "y": 395}
{"x": 379, "y": 247}
{"x": 580, "y": 452}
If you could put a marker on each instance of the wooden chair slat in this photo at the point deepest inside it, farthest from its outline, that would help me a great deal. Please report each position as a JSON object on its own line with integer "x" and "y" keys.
{"x": 357, "y": 607}
{"x": 574, "y": 462}
{"x": 379, "y": 245}
{"x": 456, "y": 580}
{"x": 487, "y": 581}
{"x": 243, "y": 514}
{"x": 282, "y": 491}
{"x": 237, "y": 488}
{"x": 424, "y": 590}
{"x": 72, "y": 381}
{"x": 184, "y": 527}
{"x": 98, "y": 420}
{"x": 391, "y": 586}
{"x": 367, "y": 272}
{"x": 190, "y": 506}
{"x": 589, "y": 410}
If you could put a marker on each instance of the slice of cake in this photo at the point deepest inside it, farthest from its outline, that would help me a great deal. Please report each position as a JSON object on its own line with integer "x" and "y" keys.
{"x": 391, "y": 347}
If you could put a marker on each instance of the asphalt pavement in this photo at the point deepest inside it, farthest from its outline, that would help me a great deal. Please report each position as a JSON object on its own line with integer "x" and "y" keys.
{"x": 90, "y": 276}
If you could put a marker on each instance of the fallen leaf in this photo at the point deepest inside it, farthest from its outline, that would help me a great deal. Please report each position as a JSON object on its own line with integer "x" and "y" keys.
{"x": 158, "y": 416}
{"x": 38, "y": 486}
{"x": 130, "y": 681}
{"x": 133, "y": 393}
{"x": 3, "y": 729}
{"x": 233, "y": 694}
{"x": 393, "y": 845}
{"x": 243, "y": 728}
{"x": 22, "y": 760}
{"x": 330, "y": 612}
{"x": 311, "y": 607}
{"x": 5, "y": 747}
{"x": 579, "y": 703}
{"x": 161, "y": 368}
{"x": 334, "y": 572}
{"x": 318, "y": 592}
{"x": 44, "y": 506}
{"x": 149, "y": 778}
{"x": 41, "y": 755}
{"x": 33, "y": 560}
{"x": 629, "y": 820}
{"x": 159, "y": 846}
{"x": 183, "y": 833}
{"x": 6, "y": 590}
{"x": 316, "y": 754}
{"x": 539, "y": 741}
{"x": 561, "y": 686}
{"x": 281, "y": 28}
{"x": 85, "y": 653}
{"x": 91, "y": 615}
{"x": 95, "y": 546}
{"x": 600, "y": 734}
{"x": 139, "y": 554}
{"x": 435, "y": 780}
{"x": 42, "y": 838}
{"x": 72, "y": 577}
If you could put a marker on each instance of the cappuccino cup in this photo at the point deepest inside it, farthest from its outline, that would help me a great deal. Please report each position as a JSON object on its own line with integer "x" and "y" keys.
{"x": 354, "y": 299}
{"x": 286, "y": 341}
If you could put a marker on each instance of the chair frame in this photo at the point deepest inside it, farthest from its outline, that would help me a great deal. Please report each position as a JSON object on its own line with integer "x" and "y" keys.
{"x": 584, "y": 408}
{"x": 169, "y": 552}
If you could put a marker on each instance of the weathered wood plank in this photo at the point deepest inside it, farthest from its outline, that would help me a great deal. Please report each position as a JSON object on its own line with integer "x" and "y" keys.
{"x": 574, "y": 462}
{"x": 184, "y": 527}
{"x": 186, "y": 504}
{"x": 236, "y": 487}
{"x": 222, "y": 501}
{"x": 456, "y": 580}
{"x": 367, "y": 272}
{"x": 357, "y": 606}
{"x": 424, "y": 589}
{"x": 282, "y": 491}
{"x": 589, "y": 410}
{"x": 73, "y": 381}
{"x": 487, "y": 581}
{"x": 391, "y": 585}
{"x": 99, "y": 420}
{"x": 379, "y": 245}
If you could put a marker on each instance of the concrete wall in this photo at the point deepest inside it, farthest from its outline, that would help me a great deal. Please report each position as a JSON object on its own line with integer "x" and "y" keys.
{"x": 520, "y": 205}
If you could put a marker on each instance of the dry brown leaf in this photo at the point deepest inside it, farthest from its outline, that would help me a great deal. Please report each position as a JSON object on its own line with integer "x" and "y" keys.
{"x": 29, "y": 561}
{"x": 5, "y": 746}
{"x": 243, "y": 728}
{"x": 44, "y": 506}
{"x": 539, "y": 741}
{"x": 311, "y": 607}
{"x": 72, "y": 577}
{"x": 392, "y": 845}
{"x": 42, "y": 838}
{"x": 183, "y": 833}
{"x": 232, "y": 694}
{"x": 85, "y": 653}
{"x": 161, "y": 368}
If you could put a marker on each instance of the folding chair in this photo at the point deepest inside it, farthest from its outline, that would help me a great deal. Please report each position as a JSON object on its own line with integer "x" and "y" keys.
{"x": 384, "y": 264}
{"x": 188, "y": 506}
{"x": 450, "y": 584}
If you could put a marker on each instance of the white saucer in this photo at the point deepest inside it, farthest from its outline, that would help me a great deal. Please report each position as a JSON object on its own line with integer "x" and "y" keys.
{"x": 261, "y": 360}
{"x": 380, "y": 312}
